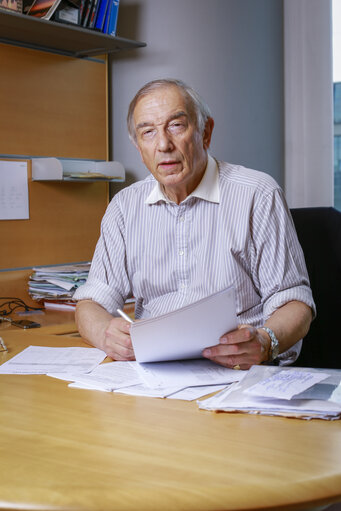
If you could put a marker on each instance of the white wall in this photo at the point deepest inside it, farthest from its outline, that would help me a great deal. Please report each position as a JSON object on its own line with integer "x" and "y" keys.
{"x": 309, "y": 172}
{"x": 231, "y": 51}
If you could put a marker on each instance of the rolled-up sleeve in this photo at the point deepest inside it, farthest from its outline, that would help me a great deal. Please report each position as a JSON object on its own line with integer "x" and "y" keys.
{"x": 108, "y": 283}
{"x": 278, "y": 261}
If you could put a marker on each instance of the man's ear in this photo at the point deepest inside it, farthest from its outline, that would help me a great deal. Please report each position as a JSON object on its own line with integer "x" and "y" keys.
{"x": 208, "y": 133}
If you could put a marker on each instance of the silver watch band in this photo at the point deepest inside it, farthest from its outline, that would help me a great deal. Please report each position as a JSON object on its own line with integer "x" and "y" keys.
{"x": 274, "y": 345}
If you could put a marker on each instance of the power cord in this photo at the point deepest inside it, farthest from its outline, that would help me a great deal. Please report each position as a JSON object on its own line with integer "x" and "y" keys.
{"x": 12, "y": 304}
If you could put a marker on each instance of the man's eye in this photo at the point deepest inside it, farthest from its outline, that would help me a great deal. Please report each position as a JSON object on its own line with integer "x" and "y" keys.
{"x": 176, "y": 126}
{"x": 147, "y": 133}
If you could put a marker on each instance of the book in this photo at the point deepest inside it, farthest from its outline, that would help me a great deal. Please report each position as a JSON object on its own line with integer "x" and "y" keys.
{"x": 102, "y": 9}
{"x": 67, "y": 13}
{"x": 43, "y": 8}
{"x": 81, "y": 10}
{"x": 106, "y": 19}
{"x": 86, "y": 13}
{"x": 11, "y": 5}
{"x": 93, "y": 14}
{"x": 113, "y": 15}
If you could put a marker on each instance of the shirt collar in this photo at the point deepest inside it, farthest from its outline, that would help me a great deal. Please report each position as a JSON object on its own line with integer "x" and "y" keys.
{"x": 207, "y": 189}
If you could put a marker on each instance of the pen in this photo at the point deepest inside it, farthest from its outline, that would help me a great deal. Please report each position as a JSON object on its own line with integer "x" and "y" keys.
{"x": 125, "y": 316}
{"x": 4, "y": 347}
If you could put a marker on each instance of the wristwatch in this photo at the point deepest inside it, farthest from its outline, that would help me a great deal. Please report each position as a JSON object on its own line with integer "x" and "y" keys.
{"x": 274, "y": 346}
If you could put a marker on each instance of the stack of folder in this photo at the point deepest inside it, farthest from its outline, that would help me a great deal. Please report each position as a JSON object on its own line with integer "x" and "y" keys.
{"x": 55, "y": 285}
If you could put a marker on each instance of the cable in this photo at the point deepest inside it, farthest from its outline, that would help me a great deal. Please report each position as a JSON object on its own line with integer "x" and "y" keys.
{"x": 12, "y": 304}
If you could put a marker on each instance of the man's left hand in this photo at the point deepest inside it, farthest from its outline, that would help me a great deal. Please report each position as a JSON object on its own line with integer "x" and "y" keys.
{"x": 243, "y": 347}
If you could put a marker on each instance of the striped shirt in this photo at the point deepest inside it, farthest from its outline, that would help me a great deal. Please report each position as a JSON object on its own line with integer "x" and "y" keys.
{"x": 234, "y": 229}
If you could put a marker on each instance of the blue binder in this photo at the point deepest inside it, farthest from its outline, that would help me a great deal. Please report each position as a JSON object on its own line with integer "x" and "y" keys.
{"x": 102, "y": 9}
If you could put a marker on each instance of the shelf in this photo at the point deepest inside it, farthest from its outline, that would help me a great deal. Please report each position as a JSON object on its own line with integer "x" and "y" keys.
{"x": 71, "y": 40}
{"x": 79, "y": 171}
{"x": 78, "y": 180}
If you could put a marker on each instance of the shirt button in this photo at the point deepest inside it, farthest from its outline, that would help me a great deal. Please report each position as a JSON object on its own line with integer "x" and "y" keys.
{"x": 182, "y": 218}
{"x": 182, "y": 286}
{"x": 181, "y": 252}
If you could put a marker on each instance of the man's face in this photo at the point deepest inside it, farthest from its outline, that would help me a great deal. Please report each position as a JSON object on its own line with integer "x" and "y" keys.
{"x": 168, "y": 140}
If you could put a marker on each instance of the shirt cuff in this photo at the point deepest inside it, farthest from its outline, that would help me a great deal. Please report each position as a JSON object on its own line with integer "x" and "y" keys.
{"x": 100, "y": 293}
{"x": 300, "y": 294}
{"x": 289, "y": 356}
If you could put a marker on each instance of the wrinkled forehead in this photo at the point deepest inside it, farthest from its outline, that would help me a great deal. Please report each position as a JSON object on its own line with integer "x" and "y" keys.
{"x": 161, "y": 104}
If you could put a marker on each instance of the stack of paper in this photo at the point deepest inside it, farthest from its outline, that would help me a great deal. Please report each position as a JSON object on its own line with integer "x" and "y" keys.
{"x": 286, "y": 391}
{"x": 189, "y": 379}
{"x": 180, "y": 380}
{"x": 185, "y": 332}
{"x": 57, "y": 283}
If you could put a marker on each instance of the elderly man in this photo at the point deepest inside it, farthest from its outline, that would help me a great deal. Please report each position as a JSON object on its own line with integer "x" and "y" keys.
{"x": 193, "y": 227}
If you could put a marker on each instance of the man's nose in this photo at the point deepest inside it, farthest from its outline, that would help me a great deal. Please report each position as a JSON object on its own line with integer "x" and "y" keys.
{"x": 164, "y": 141}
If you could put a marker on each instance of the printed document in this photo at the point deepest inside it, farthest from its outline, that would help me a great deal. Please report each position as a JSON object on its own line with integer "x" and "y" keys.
{"x": 186, "y": 373}
{"x": 108, "y": 376}
{"x": 184, "y": 333}
{"x": 258, "y": 392}
{"x": 43, "y": 360}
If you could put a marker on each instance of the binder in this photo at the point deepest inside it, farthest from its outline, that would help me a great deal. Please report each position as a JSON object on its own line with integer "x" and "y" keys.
{"x": 99, "y": 23}
{"x": 112, "y": 23}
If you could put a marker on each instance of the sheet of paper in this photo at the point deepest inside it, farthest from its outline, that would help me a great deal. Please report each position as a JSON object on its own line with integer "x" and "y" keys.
{"x": 192, "y": 393}
{"x": 184, "y": 333}
{"x": 76, "y": 385}
{"x": 61, "y": 283}
{"x": 336, "y": 394}
{"x": 186, "y": 373}
{"x": 144, "y": 390}
{"x": 108, "y": 376}
{"x": 43, "y": 360}
{"x": 285, "y": 384}
{"x": 13, "y": 191}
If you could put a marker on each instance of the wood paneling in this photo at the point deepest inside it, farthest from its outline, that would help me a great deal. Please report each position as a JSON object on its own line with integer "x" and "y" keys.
{"x": 52, "y": 105}
{"x": 63, "y": 227}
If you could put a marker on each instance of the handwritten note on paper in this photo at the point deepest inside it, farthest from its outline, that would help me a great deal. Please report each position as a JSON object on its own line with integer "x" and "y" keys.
{"x": 13, "y": 191}
{"x": 286, "y": 384}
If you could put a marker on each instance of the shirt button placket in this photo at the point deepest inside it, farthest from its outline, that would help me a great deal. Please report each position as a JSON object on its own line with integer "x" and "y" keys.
{"x": 181, "y": 226}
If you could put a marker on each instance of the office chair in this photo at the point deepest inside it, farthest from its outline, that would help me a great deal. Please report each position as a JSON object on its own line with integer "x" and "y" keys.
{"x": 319, "y": 232}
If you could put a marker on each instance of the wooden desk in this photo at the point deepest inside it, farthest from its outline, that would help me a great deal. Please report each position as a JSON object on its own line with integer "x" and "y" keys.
{"x": 73, "y": 449}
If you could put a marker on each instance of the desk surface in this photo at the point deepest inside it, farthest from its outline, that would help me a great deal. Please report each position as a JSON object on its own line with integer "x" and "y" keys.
{"x": 63, "y": 448}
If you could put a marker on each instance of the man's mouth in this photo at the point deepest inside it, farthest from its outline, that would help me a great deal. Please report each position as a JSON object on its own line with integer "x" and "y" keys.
{"x": 168, "y": 164}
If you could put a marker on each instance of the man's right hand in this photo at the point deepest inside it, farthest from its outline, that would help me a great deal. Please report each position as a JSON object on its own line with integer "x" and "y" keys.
{"x": 102, "y": 330}
{"x": 117, "y": 341}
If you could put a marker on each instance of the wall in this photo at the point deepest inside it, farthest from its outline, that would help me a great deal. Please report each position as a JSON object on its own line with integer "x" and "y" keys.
{"x": 231, "y": 51}
{"x": 309, "y": 173}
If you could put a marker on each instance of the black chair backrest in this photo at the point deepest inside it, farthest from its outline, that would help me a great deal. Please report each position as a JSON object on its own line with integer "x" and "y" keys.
{"x": 319, "y": 232}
